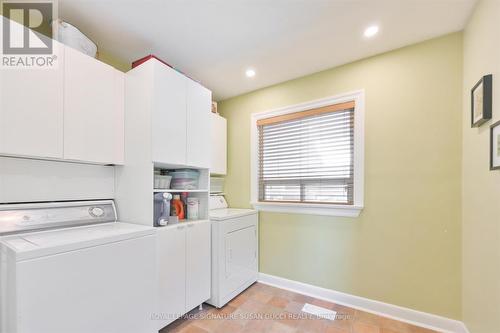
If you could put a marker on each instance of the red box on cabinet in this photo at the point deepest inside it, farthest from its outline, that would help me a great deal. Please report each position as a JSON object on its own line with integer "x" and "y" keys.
{"x": 146, "y": 58}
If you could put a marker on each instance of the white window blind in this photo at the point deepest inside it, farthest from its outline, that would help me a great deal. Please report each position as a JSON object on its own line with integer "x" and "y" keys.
{"x": 308, "y": 156}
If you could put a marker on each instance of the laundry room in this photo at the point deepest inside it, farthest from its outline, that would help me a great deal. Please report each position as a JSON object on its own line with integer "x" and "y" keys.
{"x": 294, "y": 166}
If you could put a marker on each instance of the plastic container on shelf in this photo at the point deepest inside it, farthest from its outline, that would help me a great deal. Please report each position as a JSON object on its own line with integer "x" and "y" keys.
{"x": 157, "y": 173}
{"x": 165, "y": 181}
{"x": 162, "y": 181}
{"x": 193, "y": 208}
{"x": 185, "y": 179}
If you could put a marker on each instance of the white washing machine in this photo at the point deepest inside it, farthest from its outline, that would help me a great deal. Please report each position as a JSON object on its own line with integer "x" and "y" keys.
{"x": 70, "y": 267}
{"x": 235, "y": 251}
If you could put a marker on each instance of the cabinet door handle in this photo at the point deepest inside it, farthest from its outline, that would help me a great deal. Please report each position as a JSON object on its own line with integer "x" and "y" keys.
{"x": 180, "y": 227}
{"x": 190, "y": 225}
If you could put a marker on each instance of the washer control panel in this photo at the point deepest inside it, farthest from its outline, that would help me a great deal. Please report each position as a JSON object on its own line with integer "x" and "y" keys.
{"x": 23, "y": 217}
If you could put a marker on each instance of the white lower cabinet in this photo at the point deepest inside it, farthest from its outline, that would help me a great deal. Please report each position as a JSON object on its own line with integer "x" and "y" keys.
{"x": 171, "y": 256}
{"x": 198, "y": 265}
{"x": 183, "y": 269}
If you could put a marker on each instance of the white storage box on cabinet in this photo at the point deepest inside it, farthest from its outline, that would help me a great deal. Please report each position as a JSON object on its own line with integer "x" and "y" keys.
{"x": 184, "y": 273}
{"x": 218, "y": 145}
{"x": 31, "y": 110}
{"x": 93, "y": 110}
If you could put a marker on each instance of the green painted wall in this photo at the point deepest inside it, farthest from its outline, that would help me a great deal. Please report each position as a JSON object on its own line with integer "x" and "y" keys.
{"x": 481, "y": 187}
{"x": 114, "y": 61}
{"x": 405, "y": 248}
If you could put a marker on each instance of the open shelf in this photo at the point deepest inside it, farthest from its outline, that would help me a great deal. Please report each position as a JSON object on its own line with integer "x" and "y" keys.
{"x": 169, "y": 190}
{"x": 183, "y": 223}
{"x": 202, "y": 194}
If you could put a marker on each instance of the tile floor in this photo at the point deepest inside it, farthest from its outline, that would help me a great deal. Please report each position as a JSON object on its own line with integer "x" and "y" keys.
{"x": 281, "y": 310}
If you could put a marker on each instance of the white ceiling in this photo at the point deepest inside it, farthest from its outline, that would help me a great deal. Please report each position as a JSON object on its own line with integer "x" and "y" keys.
{"x": 215, "y": 41}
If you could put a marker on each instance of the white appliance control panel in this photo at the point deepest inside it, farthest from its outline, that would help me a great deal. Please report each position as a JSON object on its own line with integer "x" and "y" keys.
{"x": 37, "y": 216}
{"x": 218, "y": 201}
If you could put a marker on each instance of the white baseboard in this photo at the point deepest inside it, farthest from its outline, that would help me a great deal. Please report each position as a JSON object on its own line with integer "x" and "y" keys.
{"x": 414, "y": 317}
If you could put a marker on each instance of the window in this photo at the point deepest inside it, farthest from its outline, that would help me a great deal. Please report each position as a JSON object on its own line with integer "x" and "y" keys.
{"x": 306, "y": 158}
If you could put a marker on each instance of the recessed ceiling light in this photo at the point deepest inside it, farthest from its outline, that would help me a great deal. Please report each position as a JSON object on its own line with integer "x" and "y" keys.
{"x": 250, "y": 72}
{"x": 371, "y": 31}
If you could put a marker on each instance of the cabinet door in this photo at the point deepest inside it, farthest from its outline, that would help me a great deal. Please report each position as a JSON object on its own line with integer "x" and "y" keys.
{"x": 218, "y": 144}
{"x": 199, "y": 103}
{"x": 93, "y": 116}
{"x": 171, "y": 253}
{"x": 31, "y": 110}
{"x": 169, "y": 115}
{"x": 119, "y": 116}
{"x": 198, "y": 261}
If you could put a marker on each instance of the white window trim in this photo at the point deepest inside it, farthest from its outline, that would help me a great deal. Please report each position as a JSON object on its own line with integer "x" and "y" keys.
{"x": 354, "y": 210}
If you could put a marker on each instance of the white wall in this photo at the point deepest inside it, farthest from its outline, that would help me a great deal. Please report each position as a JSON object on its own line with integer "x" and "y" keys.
{"x": 26, "y": 180}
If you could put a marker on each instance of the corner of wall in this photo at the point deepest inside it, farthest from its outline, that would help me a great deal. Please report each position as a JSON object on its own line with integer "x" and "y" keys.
{"x": 480, "y": 186}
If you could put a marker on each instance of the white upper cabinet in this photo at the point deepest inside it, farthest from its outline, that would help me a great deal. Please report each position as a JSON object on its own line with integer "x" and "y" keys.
{"x": 31, "y": 111}
{"x": 180, "y": 126}
{"x": 73, "y": 112}
{"x": 93, "y": 110}
{"x": 119, "y": 109}
{"x": 199, "y": 103}
{"x": 218, "y": 144}
{"x": 169, "y": 115}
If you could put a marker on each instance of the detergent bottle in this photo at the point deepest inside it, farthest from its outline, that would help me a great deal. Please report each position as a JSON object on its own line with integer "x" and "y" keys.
{"x": 177, "y": 207}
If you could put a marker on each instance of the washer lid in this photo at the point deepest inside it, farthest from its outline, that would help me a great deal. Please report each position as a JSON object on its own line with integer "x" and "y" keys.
{"x": 229, "y": 213}
{"x": 37, "y": 244}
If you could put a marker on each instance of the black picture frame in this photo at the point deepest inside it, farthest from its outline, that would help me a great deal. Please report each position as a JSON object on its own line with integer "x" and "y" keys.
{"x": 486, "y": 82}
{"x": 492, "y": 145}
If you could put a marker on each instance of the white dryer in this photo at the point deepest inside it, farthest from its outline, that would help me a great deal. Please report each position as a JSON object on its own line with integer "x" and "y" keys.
{"x": 235, "y": 252}
{"x": 70, "y": 267}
